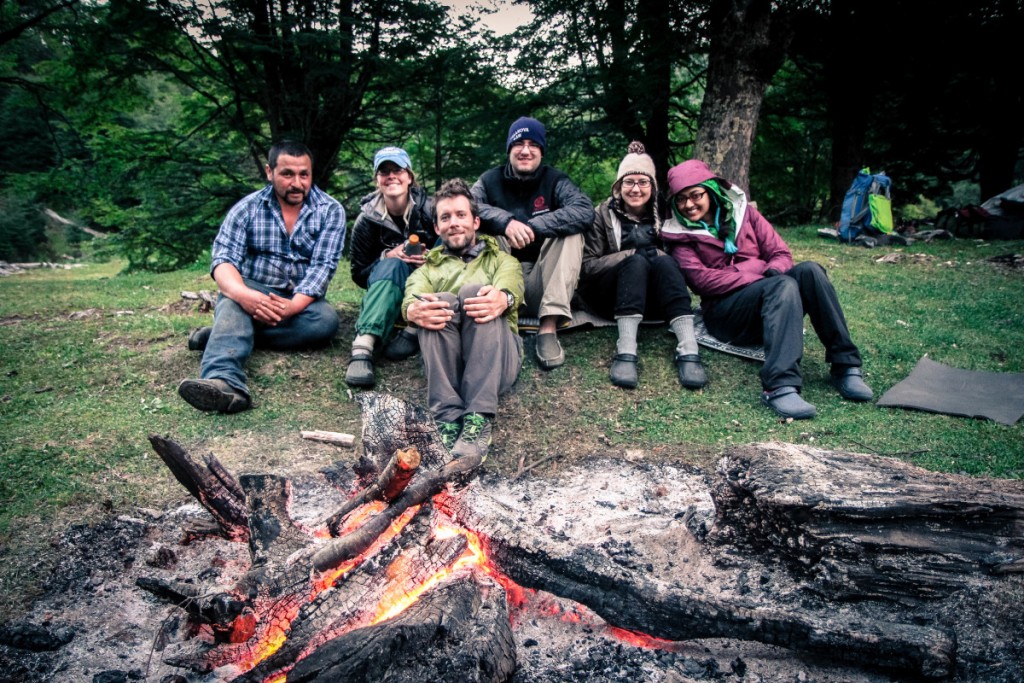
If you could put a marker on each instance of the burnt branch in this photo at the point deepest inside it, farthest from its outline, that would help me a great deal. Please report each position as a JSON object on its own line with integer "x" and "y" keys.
{"x": 428, "y": 484}
{"x": 211, "y": 485}
{"x": 392, "y": 480}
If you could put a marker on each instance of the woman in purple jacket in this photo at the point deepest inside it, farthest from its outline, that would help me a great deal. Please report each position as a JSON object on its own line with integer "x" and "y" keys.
{"x": 751, "y": 293}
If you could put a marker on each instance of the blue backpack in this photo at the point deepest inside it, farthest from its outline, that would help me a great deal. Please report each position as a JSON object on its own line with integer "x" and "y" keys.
{"x": 867, "y": 207}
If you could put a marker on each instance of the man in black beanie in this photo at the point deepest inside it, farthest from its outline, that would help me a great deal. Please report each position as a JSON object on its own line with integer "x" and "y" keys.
{"x": 542, "y": 214}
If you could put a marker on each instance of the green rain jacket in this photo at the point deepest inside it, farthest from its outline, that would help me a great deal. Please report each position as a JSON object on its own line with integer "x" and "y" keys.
{"x": 446, "y": 273}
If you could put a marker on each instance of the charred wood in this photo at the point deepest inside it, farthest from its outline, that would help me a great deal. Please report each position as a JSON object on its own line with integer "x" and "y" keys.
{"x": 458, "y": 632}
{"x": 426, "y": 485}
{"x": 866, "y": 526}
{"x": 389, "y": 484}
{"x": 212, "y": 485}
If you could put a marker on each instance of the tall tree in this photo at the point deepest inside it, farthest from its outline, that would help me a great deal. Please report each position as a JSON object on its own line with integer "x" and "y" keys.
{"x": 631, "y": 60}
{"x": 749, "y": 39}
{"x": 278, "y": 68}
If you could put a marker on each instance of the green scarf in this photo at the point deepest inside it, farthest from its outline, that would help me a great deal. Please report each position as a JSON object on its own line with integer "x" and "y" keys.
{"x": 721, "y": 213}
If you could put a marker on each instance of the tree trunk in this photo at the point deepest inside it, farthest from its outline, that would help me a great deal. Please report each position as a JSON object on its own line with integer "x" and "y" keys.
{"x": 748, "y": 44}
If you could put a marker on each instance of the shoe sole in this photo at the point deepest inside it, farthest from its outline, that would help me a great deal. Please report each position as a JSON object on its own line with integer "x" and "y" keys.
{"x": 551, "y": 363}
{"x": 209, "y": 399}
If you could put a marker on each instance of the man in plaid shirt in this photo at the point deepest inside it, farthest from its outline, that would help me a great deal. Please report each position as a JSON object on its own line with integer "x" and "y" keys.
{"x": 273, "y": 258}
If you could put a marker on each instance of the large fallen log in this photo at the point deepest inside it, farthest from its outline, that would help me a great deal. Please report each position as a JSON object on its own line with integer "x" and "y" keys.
{"x": 866, "y": 526}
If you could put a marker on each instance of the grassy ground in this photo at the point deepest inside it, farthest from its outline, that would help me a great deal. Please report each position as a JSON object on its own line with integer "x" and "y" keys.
{"x": 90, "y": 359}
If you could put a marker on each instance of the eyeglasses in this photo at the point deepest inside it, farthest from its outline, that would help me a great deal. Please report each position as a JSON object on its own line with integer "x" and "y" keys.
{"x": 525, "y": 144}
{"x": 394, "y": 170}
{"x": 642, "y": 183}
{"x": 694, "y": 197}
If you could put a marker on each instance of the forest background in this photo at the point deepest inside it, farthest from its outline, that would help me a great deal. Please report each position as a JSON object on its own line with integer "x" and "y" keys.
{"x": 145, "y": 121}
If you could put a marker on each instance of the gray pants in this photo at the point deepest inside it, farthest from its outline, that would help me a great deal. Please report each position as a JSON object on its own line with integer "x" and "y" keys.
{"x": 468, "y": 364}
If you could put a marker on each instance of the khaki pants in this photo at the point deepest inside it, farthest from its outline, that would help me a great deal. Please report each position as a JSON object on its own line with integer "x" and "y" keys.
{"x": 551, "y": 281}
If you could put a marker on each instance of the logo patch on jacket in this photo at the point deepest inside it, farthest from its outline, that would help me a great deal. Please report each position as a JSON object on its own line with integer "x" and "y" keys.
{"x": 539, "y": 205}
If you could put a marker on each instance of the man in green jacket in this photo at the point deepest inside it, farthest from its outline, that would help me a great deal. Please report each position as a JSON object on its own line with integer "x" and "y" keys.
{"x": 464, "y": 299}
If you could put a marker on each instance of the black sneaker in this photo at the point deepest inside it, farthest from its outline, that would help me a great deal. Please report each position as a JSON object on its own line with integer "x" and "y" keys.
{"x": 475, "y": 438}
{"x": 198, "y": 337}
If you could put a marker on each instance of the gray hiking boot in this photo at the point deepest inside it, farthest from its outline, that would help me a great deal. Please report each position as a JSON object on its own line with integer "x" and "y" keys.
{"x": 787, "y": 402}
{"x": 475, "y": 438}
{"x": 213, "y": 395}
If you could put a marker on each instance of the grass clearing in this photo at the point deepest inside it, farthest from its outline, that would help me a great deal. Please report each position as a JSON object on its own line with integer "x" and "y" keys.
{"x": 90, "y": 361}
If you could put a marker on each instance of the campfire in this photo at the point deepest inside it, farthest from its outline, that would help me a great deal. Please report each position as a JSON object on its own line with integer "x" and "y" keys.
{"x": 789, "y": 562}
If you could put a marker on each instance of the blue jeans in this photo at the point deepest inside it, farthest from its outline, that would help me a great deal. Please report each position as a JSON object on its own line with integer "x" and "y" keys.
{"x": 235, "y": 333}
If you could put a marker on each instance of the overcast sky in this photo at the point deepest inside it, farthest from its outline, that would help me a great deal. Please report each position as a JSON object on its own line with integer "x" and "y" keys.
{"x": 507, "y": 19}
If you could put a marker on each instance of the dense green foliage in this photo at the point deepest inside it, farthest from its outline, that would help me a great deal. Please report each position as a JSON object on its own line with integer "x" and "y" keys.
{"x": 146, "y": 120}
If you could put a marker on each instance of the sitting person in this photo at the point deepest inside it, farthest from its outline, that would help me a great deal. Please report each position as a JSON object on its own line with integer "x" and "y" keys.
{"x": 465, "y": 300}
{"x": 542, "y": 215}
{"x": 627, "y": 277}
{"x": 751, "y": 293}
{"x": 381, "y": 262}
{"x": 273, "y": 258}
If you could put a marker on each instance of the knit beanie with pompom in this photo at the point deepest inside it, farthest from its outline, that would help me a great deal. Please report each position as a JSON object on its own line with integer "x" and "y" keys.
{"x": 637, "y": 161}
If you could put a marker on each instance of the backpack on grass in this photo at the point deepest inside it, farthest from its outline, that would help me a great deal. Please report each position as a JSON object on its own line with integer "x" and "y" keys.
{"x": 867, "y": 207}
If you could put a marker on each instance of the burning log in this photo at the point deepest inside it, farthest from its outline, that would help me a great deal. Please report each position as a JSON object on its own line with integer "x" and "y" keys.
{"x": 392, "y": 481}
{"x": 458, "y": 632}
{"x": 835, "y": 556}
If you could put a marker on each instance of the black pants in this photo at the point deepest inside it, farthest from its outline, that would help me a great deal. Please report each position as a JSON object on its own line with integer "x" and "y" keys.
{"x": 771, "y": 311}
{"x": 653, "y": 288}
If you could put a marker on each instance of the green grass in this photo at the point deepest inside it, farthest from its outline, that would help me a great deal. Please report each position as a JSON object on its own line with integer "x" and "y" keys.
{"x": 90, "y": 360}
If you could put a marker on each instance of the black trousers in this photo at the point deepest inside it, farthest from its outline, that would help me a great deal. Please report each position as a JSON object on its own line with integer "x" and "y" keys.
{"x": 771, "y": 311}
{"x": 654, "y": 288}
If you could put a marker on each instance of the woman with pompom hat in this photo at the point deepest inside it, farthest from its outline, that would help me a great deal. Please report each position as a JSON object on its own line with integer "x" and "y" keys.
{"x": 750, "y": 291}
{"x": 627, "y": 276}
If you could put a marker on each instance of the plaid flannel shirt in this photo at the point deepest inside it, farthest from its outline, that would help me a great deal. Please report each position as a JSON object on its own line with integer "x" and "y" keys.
{"x": 253, "y": 239}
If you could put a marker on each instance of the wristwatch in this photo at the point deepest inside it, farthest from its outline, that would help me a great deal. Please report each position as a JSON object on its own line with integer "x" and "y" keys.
{"x": 510, "y": 299}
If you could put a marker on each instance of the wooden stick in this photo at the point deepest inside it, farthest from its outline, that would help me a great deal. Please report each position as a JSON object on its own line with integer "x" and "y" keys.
{"x": 337, "y": 438}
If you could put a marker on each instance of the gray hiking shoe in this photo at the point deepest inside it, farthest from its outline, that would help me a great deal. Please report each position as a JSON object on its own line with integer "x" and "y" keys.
{"x": 475, "y": 438}
{"x": 403, "y": 345}
{"x": 787, "y": 402}
{"x": 360, "y": 368}
{"x": 449, "y": 432}
{"x": 623, "y": 371}
{"x": 850, "y": 385}
{"x": 213, "y": 395}
{"x": 549, "y": 352}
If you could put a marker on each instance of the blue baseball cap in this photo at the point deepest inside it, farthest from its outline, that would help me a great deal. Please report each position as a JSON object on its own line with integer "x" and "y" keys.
{"x": 396, "y": 155}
